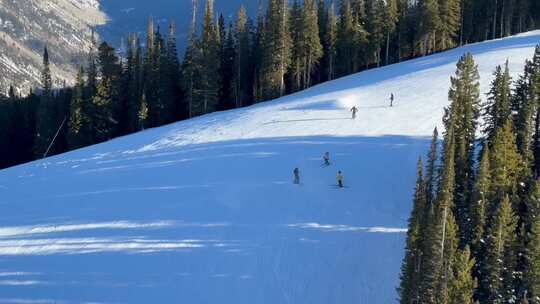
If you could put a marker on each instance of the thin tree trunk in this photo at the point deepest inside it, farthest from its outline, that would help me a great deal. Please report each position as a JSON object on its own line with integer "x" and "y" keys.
{"x": 461, "y": 27}
{"x": 308, "y": 83}
{"x": 190, "y": 102}
{"x": 330, "y": 66}
{"x": 494, "y": 35}
{"x": 387, "y": 47}
{"x": 502, "y": 19}
{"x": 282, "y": 64}
{"x": 238, "y": 78}
{"x": 425, "y": 46}
{"x": 537, "y": 143}
{"x": 444, "y": 232}
{"x": 399, "y": 46}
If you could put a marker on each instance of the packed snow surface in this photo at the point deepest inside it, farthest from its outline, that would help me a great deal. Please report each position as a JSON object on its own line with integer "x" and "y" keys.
{"x": 205, "y": 211}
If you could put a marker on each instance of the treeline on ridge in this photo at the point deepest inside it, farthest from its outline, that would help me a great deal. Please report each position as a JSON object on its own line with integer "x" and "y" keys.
{"x": 288, "y": 47}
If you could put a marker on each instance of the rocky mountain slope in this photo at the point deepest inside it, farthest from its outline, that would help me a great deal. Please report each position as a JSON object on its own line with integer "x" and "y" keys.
{"x": 27, "y": 26}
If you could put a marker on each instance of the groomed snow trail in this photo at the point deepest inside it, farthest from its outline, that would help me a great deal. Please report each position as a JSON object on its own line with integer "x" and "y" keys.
{"x": 204, "y": 211}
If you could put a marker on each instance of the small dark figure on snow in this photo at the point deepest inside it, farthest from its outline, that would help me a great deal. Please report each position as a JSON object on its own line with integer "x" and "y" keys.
{"x": 354, "y": 110}
{"x": 391, "y": 99}
{"x": 326, "y": 159}
{"x": 340, "y": 179}
{"x": 296, "y": 173}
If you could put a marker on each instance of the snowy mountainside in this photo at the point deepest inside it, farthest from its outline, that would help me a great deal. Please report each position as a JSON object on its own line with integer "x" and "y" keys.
{"x": 205, "y": 211}
{"x": 27, "y": 26}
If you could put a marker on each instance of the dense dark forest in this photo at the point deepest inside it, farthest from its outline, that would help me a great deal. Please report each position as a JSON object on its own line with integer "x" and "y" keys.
{"x": 289, "y": 47}
{"x": 474, "y": 233}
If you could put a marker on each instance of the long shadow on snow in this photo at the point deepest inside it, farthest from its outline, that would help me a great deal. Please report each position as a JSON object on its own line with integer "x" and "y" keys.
{"x": 223, "y": 177}
{"x": 277, "y": 242}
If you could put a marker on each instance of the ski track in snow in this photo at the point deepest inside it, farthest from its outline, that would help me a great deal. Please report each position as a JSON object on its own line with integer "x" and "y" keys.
{"x": 204, "y": 211}
{"x": 346, "y": 228}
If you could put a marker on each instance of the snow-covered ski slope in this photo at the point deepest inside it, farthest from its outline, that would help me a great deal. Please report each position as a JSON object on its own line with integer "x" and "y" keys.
{"x": 204, "y": 211}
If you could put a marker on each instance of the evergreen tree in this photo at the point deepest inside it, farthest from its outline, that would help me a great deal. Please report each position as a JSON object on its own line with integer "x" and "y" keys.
{"x": 150, "y": 71}
{"x": 466, "y": 30}
{"x": 498, "y": 107}
{"x": 390, "y": 19}
{"x": 535, "y": 98}
{"x": 532, "y": 274}
{"x": 344, "y": 42}
{"x": 375, "y": 10}
{"x": 133, "y": 84}
{"x": 450, "y": 19}
{"x": 310, "y": 44}
{"x": 322, "y": 15}
{"x": 142, "y": 115}
{"x": 532, "y": 205}
{"x": 208, "y": 87}
{"x": 524, "y": 107}
{"x": 506, "y": 164}
{"x": 190, "y": 65}
{"x": 242, "y": 71}
{"x": 46, "y": 78}
{"x": 429, "y": 22}
{"x": 276, "y": 56}
{"x": 174, "y": 103}
{"x": 295, "y": 24}
{"x": 463, "y": 284}
{"x": 463, "y": 115}
{"x": 46, "y": 114}
{"x": 407, "y": 28}
{"x": 156, "y": 85}
{"x": 330, "y": 40}
{"x": 258, "y": 54}
{"x": 11, "y": 93}
{"x": 480, "y": 203}
{"x": 431, "y": 174}
{"x": 227, "y": 56}
{"x": 441, "y": 236}
{"x": 351, "y": 37}
{"x": 496, "y": 284}
{"x": 410, "y": 269}
{"x": 78, "y": 135}
{"x": 92, "y": 70}
{"x": 103, "y": 122}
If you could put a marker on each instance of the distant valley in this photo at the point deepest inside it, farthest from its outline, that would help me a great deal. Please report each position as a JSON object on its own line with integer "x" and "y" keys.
{"x": 65, "y": 26}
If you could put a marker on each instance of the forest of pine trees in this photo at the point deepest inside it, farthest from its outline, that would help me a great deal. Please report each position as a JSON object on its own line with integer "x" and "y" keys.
{"x": 290, "y": 46}
{"x": 474, "y": 232}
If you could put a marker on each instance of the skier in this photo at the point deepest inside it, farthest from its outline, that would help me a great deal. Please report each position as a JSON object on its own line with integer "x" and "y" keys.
{"x": 340, "y": 179}
{"x": 354, "y": 109}
{"x": 296, "y": 173}
{"x": 326, "y": 159}
{"x": 391, "y": 99}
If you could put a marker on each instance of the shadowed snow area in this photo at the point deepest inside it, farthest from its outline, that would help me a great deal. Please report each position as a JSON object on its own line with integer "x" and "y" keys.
{"x": 205, "y": 211}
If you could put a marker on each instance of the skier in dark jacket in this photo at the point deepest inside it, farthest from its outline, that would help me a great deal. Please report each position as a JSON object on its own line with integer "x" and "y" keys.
{"x": 296, "y": 173}
{"x": 354, "y": 110}
{"x": 326, "y": 159}
{"x": 391, "y": 99}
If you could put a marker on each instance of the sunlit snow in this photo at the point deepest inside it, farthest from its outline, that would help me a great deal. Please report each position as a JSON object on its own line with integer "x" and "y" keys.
{"x": 205, "y": 211}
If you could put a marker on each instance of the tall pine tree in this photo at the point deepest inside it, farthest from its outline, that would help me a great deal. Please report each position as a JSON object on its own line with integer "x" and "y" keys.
{"x": 410, "y": 269}
{"x": 276, "y": 51}
{"x": 46, "y": 122}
